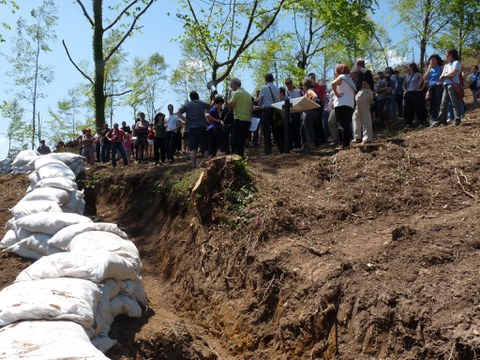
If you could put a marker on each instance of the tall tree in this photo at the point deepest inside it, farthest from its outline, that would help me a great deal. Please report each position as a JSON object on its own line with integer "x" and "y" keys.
{"x": 127, "y": 13}
{"x": 221, "y": 33}
{"x": 423, "y": 20}
{"x": 29, "y": 74}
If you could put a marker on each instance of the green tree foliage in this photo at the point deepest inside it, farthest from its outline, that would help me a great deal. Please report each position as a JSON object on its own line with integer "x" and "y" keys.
{"x": 28, "y": 73}
{"x": 191, "y": 74}
{"x": 64, "y": 123}
{"x": 221, "y": 33}
{"x": 126, "y": 14}
{"x": 9, "y": 4}
{"x": 146, "y": 81}
{"x": 463, "y": 30}
{"x": 18, "y": 128}
{"x": 423, "y": 21}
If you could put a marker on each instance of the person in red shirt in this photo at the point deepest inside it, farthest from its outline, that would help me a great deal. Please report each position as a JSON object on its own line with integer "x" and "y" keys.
{"x": 321, "y": 91}
{"x": 117, "y": 136}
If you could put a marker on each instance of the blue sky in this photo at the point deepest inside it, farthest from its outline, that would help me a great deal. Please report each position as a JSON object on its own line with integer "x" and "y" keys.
{"x": 158, "y": 31}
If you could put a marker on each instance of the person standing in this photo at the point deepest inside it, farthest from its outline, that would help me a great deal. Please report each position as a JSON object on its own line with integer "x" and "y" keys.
{"x": 242, "y": 104}
{"x": 214, "y": 128}
{"x": 269, "y": 94}
{"x": 88, "y": 143}
{"x": 117, "y": 136}
{"x": 172, "y": 126}
{"x": 399, "y": 93}
{"x": 141, "y": 132}
{"x": 296, "y": 118}
{"x": 414, "y": 100}
{"x": 196, "y": 124}
{"x": 344, "y": 89}
{"x": 475, "y": 84}
{"x": 321, "y": 91}
{"x": 106, "y": 144}
{"x": 159, "y": 138}
{"x": 450, "y": 78}
{"x": 434, "y": 85}
{"x": 43, "y": 149}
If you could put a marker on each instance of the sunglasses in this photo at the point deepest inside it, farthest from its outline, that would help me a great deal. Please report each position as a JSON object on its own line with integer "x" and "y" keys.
{"x": 288, "y": 83}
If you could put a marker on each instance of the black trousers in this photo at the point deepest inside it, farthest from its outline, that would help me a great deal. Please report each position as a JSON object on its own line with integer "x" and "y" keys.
{"x": 239, "y": 136}
{"x": 159, "y": 149}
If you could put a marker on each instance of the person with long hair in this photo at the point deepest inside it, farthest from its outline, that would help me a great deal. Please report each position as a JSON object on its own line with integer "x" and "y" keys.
{"x": 159, "y": 148}
{"x": 434, "y": 84}
{"x": 414, "y": 99}
{"x": 344, "y": 102}
{"x": 450, "y": 78}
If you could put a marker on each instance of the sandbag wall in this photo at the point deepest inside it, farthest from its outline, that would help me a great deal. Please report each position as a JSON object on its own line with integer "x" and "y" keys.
{"x": 85, "y": 273}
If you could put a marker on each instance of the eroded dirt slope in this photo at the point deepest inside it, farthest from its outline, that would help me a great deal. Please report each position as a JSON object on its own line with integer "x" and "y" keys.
{"x": 369, "y": 253}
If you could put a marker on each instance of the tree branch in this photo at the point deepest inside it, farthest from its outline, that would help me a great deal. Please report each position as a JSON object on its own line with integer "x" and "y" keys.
{"x": 129, "y": 31}
{"x": 119, "y": 94}
{"x": 117, "y": 19}
{"x": 85, "y": 13}
{"x": 246, "y": 44}
{"x": 74, "y": 64}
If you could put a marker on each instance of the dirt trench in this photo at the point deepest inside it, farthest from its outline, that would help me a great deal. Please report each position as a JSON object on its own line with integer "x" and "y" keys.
{"x": 328, "y": 269}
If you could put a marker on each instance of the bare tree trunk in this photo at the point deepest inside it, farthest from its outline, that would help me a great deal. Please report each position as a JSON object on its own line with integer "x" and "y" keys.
{"x": 99, "y": 61}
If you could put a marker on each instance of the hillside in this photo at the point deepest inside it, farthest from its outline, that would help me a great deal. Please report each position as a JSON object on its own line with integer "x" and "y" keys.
{"x": 368, "y": 253}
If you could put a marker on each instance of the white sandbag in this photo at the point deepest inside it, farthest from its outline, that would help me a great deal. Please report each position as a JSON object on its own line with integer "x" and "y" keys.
{"x": 46, "y": 160}
{"x": 38, "y": 242}
{"x": 66, "y": 157}
{"x": 48, "y": 223}
{"x": 78, "y": 166}
{"x": 60, "y": 196}
{"x": 95, "y": 266}
{"x": 103, "y": 342}
{"x": 106, "y": 241}
{"x": 62, "y": 238}
{"x": 76, "y": 200}
{"x": 50, "y": 299}
{"x": 134, "y": 288}
{"x": 33, "y": 178}
{"x": 24, "y": 208}
{"x": 57, "y": 182}
{"x": 21, "y": 169}
{"x": 48, "y": 340}
{"x": 23, "y": 252}
{"x": 125, "y": 305}
{"x": 55, "y": 170}
{"x": 25, "y": 157}
{"x": 9, "y": 239}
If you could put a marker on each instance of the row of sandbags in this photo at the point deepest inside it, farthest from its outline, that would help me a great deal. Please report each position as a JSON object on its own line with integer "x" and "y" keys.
{"x": 85, "y": 274}
{"x": 24, "y": 162}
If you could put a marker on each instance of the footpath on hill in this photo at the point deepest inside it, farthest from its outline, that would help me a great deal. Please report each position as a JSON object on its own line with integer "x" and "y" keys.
{"x": 371, "y": 252}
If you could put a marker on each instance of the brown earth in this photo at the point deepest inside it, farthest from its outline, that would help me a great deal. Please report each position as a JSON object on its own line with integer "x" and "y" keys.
{"x": 368, "y": 253}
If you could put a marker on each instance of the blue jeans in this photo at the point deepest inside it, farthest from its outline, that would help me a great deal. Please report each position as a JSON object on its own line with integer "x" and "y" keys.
{"x": 118, "y": 146}
{"x": 106, "y": 148}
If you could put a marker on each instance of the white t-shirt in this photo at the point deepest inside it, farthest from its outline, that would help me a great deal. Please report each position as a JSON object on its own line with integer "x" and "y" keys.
{"x": 346, "y": 88}
{"x": 172, "y": 122}
{"x": 453, "y": 65}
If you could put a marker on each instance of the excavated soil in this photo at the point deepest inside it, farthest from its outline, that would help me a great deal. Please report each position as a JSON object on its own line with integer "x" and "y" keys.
{"x": 368, "y": 253}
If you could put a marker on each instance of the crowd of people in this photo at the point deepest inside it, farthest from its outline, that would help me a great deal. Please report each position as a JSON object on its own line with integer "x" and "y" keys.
{"x": 357, "y": 102}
